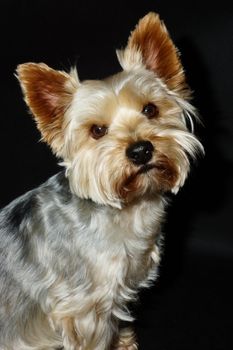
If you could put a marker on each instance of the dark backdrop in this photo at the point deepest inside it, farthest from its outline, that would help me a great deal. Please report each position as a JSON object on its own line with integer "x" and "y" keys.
{"x": 190, "y": 306}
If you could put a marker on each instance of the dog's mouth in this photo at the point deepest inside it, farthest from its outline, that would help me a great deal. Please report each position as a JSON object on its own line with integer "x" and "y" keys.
{"x": 142, "y": 170}
{"x": 159, "y": 176}
{"x": 161, "y": 167}
{"x": 165, "y": 174}
{"x": 146, "y": 168}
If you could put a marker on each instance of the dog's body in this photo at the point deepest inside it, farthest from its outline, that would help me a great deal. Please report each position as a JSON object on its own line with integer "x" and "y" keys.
{"x": 105, "y": 253}
{"x": 78, "y": 248}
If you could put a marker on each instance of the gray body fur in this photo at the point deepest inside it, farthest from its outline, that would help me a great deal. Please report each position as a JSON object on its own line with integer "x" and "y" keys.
{"x": 61, "y": 256}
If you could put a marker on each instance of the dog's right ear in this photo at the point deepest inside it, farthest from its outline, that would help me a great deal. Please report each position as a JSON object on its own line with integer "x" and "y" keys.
{"x": 48, "y": 93}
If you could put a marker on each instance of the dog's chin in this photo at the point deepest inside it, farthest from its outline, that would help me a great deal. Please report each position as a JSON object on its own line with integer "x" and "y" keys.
{"x": 149, "y": 179}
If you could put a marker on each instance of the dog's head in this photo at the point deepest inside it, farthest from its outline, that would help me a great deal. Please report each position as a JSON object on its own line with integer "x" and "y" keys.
{"x": 125, "y": 136}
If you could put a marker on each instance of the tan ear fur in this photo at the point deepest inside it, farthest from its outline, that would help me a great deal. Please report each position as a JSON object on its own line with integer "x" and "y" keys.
{"x": 150, "y": 45}
{"x": 48, "y": 93}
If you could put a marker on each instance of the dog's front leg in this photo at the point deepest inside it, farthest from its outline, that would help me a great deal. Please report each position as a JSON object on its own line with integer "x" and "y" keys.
{"x": 70, "y": 337}
{"x": 85, "y": 332}
{"x": 126, "y": 340}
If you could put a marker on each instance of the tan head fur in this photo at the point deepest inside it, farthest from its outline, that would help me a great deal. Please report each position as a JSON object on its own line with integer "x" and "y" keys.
{"x": 92, "y": 124}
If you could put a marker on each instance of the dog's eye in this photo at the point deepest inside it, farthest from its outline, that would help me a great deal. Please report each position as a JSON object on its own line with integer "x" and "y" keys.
{"x": 150, "y": 110}
{"x": 98, "y": 131}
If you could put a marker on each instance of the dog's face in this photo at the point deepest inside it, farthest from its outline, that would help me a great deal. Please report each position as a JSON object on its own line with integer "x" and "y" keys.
{"x": 123, "y": 137}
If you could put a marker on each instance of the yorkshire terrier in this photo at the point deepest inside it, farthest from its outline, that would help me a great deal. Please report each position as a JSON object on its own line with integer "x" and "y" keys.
{"x": 77, "y": 249}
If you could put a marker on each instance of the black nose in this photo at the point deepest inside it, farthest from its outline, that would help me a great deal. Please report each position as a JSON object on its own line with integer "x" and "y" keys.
{"x": 140, "y": 152}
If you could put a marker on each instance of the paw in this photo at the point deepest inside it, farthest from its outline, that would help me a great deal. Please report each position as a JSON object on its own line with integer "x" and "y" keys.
{"x": 130, "y": 347}
{"x": 126, "y": 340}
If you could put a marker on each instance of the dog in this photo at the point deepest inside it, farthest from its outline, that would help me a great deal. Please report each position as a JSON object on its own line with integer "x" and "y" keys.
{"x": 75, "y": 251}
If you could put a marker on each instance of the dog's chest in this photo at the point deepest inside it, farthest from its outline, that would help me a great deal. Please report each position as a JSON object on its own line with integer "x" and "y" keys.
{"x": 111, "y": 254}
{"x": 117, "y": 245}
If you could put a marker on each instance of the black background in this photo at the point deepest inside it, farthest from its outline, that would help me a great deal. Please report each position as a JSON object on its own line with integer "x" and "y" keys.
{"x": 190, "y": 306}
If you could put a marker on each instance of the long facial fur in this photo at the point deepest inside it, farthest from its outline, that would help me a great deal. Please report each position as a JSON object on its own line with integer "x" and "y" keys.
{"x": 117, "y": 102}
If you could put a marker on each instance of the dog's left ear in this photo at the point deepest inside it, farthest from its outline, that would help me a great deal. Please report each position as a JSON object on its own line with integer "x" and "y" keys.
{"x": 48, "y": 93}
{"x": 150, "y": 46}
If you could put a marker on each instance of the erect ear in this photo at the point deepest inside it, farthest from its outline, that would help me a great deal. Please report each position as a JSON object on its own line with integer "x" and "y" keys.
{"x": 149, "y": 45}
{"x": 48, "y": 93}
